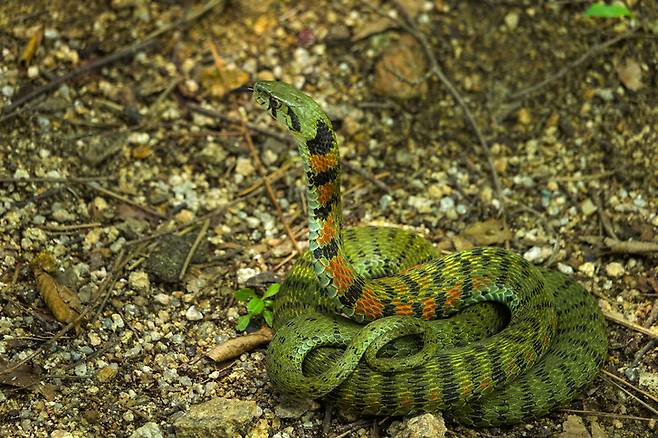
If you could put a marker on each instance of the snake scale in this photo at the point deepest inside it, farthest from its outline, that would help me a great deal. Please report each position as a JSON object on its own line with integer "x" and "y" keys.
{"x": 481, "y": 334}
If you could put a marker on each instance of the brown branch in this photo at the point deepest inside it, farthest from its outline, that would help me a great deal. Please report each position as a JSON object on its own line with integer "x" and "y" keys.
{"x": 606, "y": 415}
{"x": 235, "y": 347}
{"x": 72, "y": 179}
{"x": 361, "y": 171}
{"x": 122, "y": 198}
{"x": 631, "y": 325}
{"x": 193, "y": 248}
{"x": 621, "y": 246}
{"x": 630, "y": 385}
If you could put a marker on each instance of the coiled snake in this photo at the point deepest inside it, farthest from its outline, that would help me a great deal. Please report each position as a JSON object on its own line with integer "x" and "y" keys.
{"x": 481, "y": 334}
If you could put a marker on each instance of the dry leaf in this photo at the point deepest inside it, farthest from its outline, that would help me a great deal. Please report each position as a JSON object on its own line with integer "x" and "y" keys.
{"x": 235, "y": 347}
{"x": 487, "y": 233}
{"x": 142, "y": 151}
{"x": 32, "y": 46}
{"x": 630, "y": 74}
{"x": 23, "y": 376}
{"x": 64, "y": 304}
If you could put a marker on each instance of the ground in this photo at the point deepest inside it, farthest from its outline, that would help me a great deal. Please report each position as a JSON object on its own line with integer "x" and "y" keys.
{"x": 117, "y": 172}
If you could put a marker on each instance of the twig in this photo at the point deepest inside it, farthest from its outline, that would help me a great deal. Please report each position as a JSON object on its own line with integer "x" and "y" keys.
{"x": 122, "y": 198}
{"x": 630, "y": 385}
{"x": 274, "y": 176}
{"x": 591, "y": 177}
{"x": 113, "y": 57}
{"x": 606, "y": 414}
{"x": 193, "y": 248}
{"x": 408, "y": 26}
{"x": 236, "y": 346}
{"x": 631, "y": 325}
{"x": 564, "y": 70}
{"x": 621, "y": 246}
{"x": 636, "y": 398}
{"x": 361, "y": 171}
{"x": 72, "y": 179}
{"x": 268, "y": 186}
{"x": 73, "y": 227}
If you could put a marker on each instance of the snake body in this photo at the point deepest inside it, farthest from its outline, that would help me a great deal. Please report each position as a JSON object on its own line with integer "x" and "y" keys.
{"x": 481, "y": 334}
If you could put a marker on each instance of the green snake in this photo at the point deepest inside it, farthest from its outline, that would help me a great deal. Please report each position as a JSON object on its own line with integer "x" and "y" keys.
{"x": 481, "y": 334}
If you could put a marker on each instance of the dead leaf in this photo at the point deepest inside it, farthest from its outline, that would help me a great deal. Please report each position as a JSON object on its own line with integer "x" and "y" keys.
{"x": 142, "y": 151}
{"x": 221, "y": 79}
{"x": 64, "y": 304}
{"x": 23, "y": 376}
{"x": 368, "y": 28}
{"x": 487, "y": 232}
{"x": 32, "y": 46}
{"x": 630, "y": 74}
{"x": 235, "y": 347}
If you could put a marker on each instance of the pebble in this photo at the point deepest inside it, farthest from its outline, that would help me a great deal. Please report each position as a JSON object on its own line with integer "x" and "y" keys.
{"x": 614, "y": 269}
{"x": 245, "y": 274}
{"x": 217, "y": 417}
{"x": 107, "y": 373}
{"x": 574, "y": 427}
{"x": 193, "y": 314}
{"x": 446, "y": 204}
{"x": 244, "y": 166}
{"x": 422, "y": 426}
{"x": 537, "y": 254}
{"x": 295, "y": 408}
{"x": 512, "y": 20}
{"x": 139, "y": 281}
{"x": 80, "y": 369}
{"x": 148, "y": 430}
{"x": 587, "y": 268}
{"x": 587, "y": 207}
{"x": 565, "y": 269}
{"x": 421, "y": 204}
{"x": 163, "y": 299}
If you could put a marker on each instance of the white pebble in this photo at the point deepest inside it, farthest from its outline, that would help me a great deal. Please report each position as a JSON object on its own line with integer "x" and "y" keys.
{"x": 565, "y": 269}
{"x": 587, "y": 269}
{"x": 614, "y": 269}
{"x": 193, "y": 314}
{"x": 139, "y": 281}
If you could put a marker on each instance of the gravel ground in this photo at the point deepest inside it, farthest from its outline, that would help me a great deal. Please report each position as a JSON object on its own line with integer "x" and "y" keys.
{"x": 111, "y": 176}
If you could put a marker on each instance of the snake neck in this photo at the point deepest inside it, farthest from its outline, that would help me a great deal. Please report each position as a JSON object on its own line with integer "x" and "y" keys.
{"x": 321, "y": 160}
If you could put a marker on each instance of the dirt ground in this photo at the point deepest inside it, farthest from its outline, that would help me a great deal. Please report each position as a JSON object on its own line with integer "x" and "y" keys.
{"x": 129, "y": 193}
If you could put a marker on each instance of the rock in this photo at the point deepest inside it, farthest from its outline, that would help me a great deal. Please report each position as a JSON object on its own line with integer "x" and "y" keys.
{"x": 614, "y": 269}
{"x": 537, "y": 254}
{"x": 597, "y": 430}
{"x": 574, "y": 428}
{"x": 587, "y": 268}
{"x": 193, "y": 314}
{"x": 148, "y": 430}
{"x": 422, "y": 426}
{"x": 290, "y": 408}
{"x": 219, "y": 417}
{"x": 167, "y": 259}
{"x": 107, "y": 373}
{"x": 587, "y": 207}
{"x": 399, "y": 69}
{"x": 512, "y": 20}
{"x": 244, "y": 166}
{"x": 139, "y": 281}
{"x": 649, "y": 381}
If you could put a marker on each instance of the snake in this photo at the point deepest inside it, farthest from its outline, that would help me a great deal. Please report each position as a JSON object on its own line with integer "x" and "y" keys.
{"x": 374, "y": 320}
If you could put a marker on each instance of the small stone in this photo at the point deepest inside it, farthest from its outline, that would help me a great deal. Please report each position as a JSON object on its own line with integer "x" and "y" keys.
{"x": 245, "y": 274}
{"x": 80, "y": 369}
{"x": 244, "y": 166}
{"x": 148, "y": 430}
{"x": 587, "y": 268}
{"x": 128, "y": 416}
{"x": 400, "y": 66}
{"x": 512, "y": 20}
{"x": 574, "y": 428}
{"x": 193, "y": 314}
{"x": 423, "y": 205}
{"x": 587, "y": 207}
{"x": 295, "y": 408}
{"x": 446, "y": 204}
{"x": 33, "y": 72}
{"x": 422, "y": 426}
{"x": 614, "y": 269}
{"x": 107, "y": 373}
{"x": 94, "y": 339}
{"x": 217, "y": 417}
{"x": 139, "y": 281}
{"x": 537, "y": 254}
{"x": 524, "y": 117}
{"x": 565, "y": 269}
{"x": 649, "y": 381}
{"x": 163, "y": 299}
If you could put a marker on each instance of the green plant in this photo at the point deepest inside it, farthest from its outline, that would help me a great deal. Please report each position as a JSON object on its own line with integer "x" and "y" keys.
{"x": 615, "y": 10}
{"x": 256, "y": 306}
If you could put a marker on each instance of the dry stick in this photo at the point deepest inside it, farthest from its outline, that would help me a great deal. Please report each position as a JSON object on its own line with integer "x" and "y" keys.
{"x": 268, "y": 186}
{"x": 121, "y": 198}
{"x": 361, "y": 171}
{"x": 74, "y": 227}
{"x": 73, "y": 179}
{"x": 435, "y": 69}
{"x": 630, "y": 385}
{"x": 584, "y": 57}
{"x": 193, "y": 248}
{"x": 631, "y": 325}
{"x": 639, "y": 400}
{"x": 606, "y": 414}
{"x": 622, "y": 246}
{"x": 274, "y": 176}
{"x": 113, "y": 57}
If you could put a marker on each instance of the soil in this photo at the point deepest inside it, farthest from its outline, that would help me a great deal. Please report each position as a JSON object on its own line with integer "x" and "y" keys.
{"x": 112, "y": 176}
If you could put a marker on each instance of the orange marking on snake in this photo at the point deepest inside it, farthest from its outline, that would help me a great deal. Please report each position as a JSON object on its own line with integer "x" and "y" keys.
{"x": 320, "y": 163}
{"x": 325, "y": 191}
{"x": 452, "y": 295}
{"x": 340, "y": 272}
{"x": 429, "y": 308}
{"x": 328, "y": 231}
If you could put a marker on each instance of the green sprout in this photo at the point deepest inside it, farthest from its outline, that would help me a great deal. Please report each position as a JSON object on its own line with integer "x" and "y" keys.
{"x": 256, "y": 306}
{"x": 603, "y": 10}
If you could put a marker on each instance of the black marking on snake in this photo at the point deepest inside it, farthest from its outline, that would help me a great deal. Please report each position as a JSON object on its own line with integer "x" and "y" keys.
{"x": 568, "y": 380}
{"x": 323, "y": 211}
{"x": 352, "y": 294}
{"x": 272, "y": 106}
{"x": 323, "y": 141}
{"x": 321, "y": 178}
{"x": 450, "y": 389}
{"x": 419, "y": 396}
{"x": 527, "y": 397}
{"x": 328, "y": 251}
{"x": 294, "y": 121}
{"x": 389, "y": 390}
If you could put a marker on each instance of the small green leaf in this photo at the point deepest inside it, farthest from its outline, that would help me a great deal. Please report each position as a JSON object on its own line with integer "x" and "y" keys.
{"x": 268, "y": 303}
{"x": 244, "y": 294}
{"x": 243, "y": 322}
{"x": 255, "y": 306}
{"x": 608, "y": 11}
{"x": 272, "y": 290}
{"x": 269, "y": 317}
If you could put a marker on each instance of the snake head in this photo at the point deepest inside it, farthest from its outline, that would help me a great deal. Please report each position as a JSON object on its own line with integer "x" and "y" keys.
{"x": 290, "y": 107}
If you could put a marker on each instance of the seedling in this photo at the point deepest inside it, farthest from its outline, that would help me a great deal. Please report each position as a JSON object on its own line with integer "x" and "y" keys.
{"x": 603, "y": 10}
{"x": 256, "y": 306}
